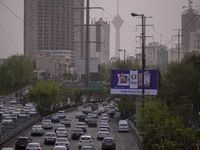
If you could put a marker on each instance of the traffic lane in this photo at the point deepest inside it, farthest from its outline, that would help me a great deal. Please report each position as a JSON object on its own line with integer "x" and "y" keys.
{"x": 123, "y": 140}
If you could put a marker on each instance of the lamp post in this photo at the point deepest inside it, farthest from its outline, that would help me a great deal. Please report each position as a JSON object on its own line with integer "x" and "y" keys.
{"x": 124, "y": 68}
{"x": 143, "y": 47}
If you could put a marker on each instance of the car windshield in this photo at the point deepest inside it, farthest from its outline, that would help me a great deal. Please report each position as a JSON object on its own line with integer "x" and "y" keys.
{"x": 61, "y": 129}
{"x": 109, "y": 141}
{"x": 33, "y": 145}
{"x": 51, "y": 134}
{"x": 85, "y": 138}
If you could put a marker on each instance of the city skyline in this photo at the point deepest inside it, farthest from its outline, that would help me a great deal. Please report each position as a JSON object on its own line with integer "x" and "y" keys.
{"x": 166, "y": 17}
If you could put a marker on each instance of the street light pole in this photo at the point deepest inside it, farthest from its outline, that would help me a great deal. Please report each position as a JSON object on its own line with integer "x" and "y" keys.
{"x": 143, "y": 48}
{"x": 124, "y": 68}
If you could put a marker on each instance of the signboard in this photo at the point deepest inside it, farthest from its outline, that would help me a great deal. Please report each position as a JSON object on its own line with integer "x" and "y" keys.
{"x": 130, "y": 82}
{"x": 95, "y": 85}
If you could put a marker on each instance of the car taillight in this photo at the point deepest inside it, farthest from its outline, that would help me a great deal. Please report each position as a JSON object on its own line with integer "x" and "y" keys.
{"x": 56, "y": 143}
{"x": 67, "y": 144}
{"x": 17, "y": 141}
{"x": 27, "y": 149}
{"x": 80, "y": 141}
{"x": 90, "y": 141}
{"x": 27, "y": 142}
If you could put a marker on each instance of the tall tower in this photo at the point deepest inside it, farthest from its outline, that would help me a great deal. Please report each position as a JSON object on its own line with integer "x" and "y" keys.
{"x": 117, "y": 22}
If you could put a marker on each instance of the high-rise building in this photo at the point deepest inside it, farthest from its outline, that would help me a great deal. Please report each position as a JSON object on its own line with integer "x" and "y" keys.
{"x": 51, "y": 25}
{"x": 190, "y": 23}
{"x": 100, "y": 41}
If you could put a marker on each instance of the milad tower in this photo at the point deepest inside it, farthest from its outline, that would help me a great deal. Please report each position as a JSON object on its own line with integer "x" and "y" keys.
{"x": 117, "y": 22}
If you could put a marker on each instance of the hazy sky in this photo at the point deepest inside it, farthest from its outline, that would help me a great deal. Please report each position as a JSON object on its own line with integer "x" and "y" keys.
{"x": 166, "y": 16}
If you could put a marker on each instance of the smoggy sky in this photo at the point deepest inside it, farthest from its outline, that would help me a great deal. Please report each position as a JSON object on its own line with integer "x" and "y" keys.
{"x": 166, "y": 16}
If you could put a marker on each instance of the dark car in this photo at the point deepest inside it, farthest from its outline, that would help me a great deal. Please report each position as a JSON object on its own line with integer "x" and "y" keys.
{"x": 92, "y": 123}
{"x": 82, "y": 118}
{"x": 87, "y": 118}
{"x": 55, "y": 119}
{"x": 108, "y": 143}
{"x": 76, "y": 133}
{"x": 22, "y": 142}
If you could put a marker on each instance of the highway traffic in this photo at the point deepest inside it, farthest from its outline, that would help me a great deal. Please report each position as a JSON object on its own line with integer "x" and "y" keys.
{"x": 123, "y": 140}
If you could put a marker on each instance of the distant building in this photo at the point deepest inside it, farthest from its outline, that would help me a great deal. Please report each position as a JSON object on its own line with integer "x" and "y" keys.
{"x": 156, "y": 55}
{"x": 195, "y": 41}
{"x": 50, "y": 25}
{"x": 50, "y": 65}
{"x": 190, "y": 23}
{"x": 100, "y": 41}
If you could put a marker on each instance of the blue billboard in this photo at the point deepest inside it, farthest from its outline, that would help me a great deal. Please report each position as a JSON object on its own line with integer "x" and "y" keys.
{"x": 130, "y": 82}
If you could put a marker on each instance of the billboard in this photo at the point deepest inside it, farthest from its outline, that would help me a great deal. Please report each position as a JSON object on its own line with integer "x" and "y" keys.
{"x": 130, "y": 82}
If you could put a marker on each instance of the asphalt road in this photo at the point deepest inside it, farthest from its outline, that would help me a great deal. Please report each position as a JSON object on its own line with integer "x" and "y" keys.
{"x": 124, "y": 141}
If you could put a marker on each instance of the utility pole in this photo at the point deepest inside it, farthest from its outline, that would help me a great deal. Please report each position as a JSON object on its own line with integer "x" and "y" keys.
{"x": 178, "y": 44}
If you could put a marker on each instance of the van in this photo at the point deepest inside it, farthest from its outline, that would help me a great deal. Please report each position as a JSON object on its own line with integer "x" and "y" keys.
{"x": 123, "y": 126}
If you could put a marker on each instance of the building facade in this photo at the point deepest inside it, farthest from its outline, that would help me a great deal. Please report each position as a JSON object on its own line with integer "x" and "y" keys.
{"x": 50, "y": 25}
{"x": 190, "y": 23}
{"x": 100, "y": 41}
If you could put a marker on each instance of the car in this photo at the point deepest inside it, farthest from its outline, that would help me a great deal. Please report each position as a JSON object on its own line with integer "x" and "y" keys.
{"x": 6, "y": 120}
{"x": 37, "y": 130}
{"x": 94, "y": 115}
{"x": 55, "y": 119}
{"x": 61, "y": 114}
{"x": 88, "y": 109}
{"x": 14, "y": 116}
{"x": 59, "y": 147}
{"x": 102, "y": 133}
{"x": 7, "y": 148}
{"x": 106, "y": 115}
{"x": 79, "y": 113}
{"x": 13, "y": 101}
{"x": 104, "y": 125}
{"x": 22, "y": 142}
{"x": 81, "y": 125}
{"x": 87, "y": 118}
{"x": 85, "y": 140}
{"x": 76, "y": 133}
{"x": 58, "y": 126}
{"x": 33, "y": 146}
{"x": 61, "y": 132}
{"x": 33, "y": 112}
{"x": 92, "y": 122}
{"x": 50, "y": 138}
{"x": 81, "y": 118}
{"x": 66, "y": 122}
{"x": 105, "y": 119}
{"x": 6, "y": 114}
{"x": 87, "y": 148}
{"x": 80, "y": 108}
{"x": 63, "y": 141}
{"x": 108, "y": 143}
{"x": 123, "y": 126}
{"x": 22, "y": 114}
{"x": 47, "y": 124}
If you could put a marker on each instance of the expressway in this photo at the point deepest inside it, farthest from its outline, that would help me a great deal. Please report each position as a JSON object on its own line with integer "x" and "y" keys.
{"x": 124, "y": 141}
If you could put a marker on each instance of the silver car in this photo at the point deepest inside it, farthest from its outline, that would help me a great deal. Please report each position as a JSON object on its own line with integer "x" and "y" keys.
{"x": 47, "y": 124}
{"x": 37, "y": 130}
{"x": 63, "y": 141}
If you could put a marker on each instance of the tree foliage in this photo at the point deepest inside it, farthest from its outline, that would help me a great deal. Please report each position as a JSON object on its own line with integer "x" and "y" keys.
{"x": 44, "y": 94}
{"x": 15, "y": 71}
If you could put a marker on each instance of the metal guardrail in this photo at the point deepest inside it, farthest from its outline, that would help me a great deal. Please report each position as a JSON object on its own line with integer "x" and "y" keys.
{"x": 10, "y": 130}
{"x": 135, "y": 131}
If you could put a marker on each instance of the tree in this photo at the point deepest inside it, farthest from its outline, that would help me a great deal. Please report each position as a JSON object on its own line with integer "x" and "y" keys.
{"x": 44, "y": 94}
{"x": 162, "y": 128}
{"x": 16, "y": 71}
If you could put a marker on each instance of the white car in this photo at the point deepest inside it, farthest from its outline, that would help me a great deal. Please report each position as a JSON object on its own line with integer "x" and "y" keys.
{"x": 95, "y": 116}
{"x": 80, "y": 108}
{"x": 61, "y": 141}
{"x": 104, "y": 125}
{"x": 13, "y": 101}
{"x": 81, "y": 125}
{"x": 47, "y": 124}
{"x": 37, "y": 129}
{"x": 105, "y": 119}
{"x": 85, "y": 140}
{"x": 79, "y": 113}
{"x": 102, "y": 133}
{"x": 33, "y": 146}
{"x": 59, "y": 147}
{"x": 61, "y": 114}
{"x": 88, "y": 109}
{"x": 61, "y": 132}
{"x": 7, "y": 120}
